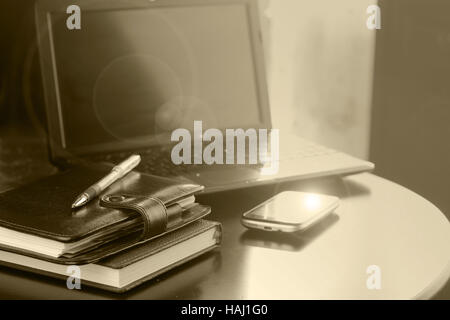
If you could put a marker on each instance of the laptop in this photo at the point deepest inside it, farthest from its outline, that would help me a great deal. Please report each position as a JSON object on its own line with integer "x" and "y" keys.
{"x": 136, "y": 71}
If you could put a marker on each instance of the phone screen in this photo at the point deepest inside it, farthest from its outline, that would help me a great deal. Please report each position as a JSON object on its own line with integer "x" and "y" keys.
{"x": 292, "y": 208}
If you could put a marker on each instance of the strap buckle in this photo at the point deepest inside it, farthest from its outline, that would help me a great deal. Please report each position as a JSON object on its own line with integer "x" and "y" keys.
{"x": 152, "y": 210}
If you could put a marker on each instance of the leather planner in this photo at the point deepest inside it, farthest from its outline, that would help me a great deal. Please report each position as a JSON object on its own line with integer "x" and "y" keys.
{"x": 37, "y": 219}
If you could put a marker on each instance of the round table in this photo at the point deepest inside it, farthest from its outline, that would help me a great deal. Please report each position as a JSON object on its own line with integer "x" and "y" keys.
{"x": 381, "y": 231}
{"x": 379, "y": 226}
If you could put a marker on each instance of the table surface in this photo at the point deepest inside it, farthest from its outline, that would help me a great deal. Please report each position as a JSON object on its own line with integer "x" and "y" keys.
{"x": 378, "y": 223}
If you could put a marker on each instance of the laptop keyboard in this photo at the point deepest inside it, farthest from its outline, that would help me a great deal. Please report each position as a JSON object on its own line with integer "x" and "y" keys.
{"x": 305, "y": 149}
{"x": 157, "y": 160}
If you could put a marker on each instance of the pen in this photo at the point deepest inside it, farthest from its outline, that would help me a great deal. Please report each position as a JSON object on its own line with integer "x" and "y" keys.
{"x": 116, "y": 173}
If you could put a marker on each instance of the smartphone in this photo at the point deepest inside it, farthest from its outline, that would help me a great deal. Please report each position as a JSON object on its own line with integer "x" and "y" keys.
{"x": 290, "y": 212}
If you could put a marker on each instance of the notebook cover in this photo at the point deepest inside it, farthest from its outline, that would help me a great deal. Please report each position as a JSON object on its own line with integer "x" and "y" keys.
{"x": 43, "y": 208}
{"x": 137, "y": 253}
{"x": 114, "y": 245}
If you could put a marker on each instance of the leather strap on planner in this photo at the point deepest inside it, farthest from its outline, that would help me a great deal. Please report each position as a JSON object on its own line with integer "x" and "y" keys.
{"x": 152, "y": 210}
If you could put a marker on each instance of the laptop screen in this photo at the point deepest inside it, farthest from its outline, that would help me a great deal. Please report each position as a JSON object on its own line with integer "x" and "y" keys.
{"x": 131, "y": 75}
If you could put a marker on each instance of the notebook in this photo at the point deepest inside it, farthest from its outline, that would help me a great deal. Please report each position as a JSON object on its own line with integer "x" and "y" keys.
{"x": 132, "y": 267}
{"x": 37, "y": 219}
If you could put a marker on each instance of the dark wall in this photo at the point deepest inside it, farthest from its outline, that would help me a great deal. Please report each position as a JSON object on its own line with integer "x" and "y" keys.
{"x": 411, "y": 117}
{"x": 20, "y": 85}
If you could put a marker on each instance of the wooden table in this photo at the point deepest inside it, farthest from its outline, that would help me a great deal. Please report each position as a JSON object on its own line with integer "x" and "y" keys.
{"x": 379, "y": 223}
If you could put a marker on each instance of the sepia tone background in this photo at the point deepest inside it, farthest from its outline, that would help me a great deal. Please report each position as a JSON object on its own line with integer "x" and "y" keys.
{"x": 381, "y": 95}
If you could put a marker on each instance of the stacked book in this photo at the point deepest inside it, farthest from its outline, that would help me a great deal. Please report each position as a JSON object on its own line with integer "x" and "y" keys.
{"x": 141, "y": 227}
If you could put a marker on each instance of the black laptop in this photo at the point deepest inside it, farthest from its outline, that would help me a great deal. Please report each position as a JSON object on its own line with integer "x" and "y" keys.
{"x": 138, "y": 70}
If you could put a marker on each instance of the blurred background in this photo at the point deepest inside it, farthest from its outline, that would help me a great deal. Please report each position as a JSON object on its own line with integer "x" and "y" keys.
{"x": 380, "y": 95}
